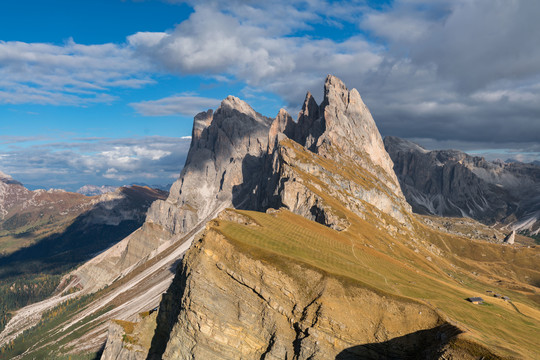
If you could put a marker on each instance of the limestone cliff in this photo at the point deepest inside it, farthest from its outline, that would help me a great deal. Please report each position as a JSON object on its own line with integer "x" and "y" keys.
{"x": 223, "y": 161}
{"x": 130, "y": 340}
{"x": 344, "y": 151}
{"x": 231, "y": 305}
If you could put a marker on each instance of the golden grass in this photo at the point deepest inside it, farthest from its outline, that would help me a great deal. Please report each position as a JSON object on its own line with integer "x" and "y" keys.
{"x": 362, "y": 256}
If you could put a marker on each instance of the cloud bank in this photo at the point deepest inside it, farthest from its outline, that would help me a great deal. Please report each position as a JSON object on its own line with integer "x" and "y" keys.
{"x": 69, "y": 165}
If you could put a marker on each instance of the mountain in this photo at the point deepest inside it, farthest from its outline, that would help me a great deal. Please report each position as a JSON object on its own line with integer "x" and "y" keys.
{"x": 92, "y": 190}
{"x": 289, "y": 239}
{"x": 26, "y": 215}
{"x": 43, "y": 234}
{"x": 452, "y": 183}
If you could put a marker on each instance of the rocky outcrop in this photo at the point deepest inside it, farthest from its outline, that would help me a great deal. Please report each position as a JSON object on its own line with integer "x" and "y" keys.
{"x": 225, "y": 304}
{"x": 130, "y": 340}
{"x": 341, "y": 145}
{"x": 510, "y": 238}
{"x": 223, "y": 165}
{"x": 452, "y": 183}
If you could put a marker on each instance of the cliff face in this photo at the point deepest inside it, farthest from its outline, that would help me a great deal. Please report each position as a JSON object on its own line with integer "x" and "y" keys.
{"x": 128, "y": 340}
{"x": 338, "y": 144}
{"x": 218, "y": 169}
{"x": 452, "y": 183}
{"x": 235, "y": 306}
{"x": 276, "y": 285}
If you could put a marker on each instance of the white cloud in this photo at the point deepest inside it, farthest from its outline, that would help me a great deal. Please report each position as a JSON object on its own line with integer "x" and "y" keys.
{"x": 172, "y": 105}
{"x": 242, "y": 44}
{"x": 96, "y": 161}
{"x": 68, "y": 74}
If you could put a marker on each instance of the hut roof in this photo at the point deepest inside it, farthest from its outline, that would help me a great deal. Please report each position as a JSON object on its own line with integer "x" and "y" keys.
{"x": 475, "y": 299}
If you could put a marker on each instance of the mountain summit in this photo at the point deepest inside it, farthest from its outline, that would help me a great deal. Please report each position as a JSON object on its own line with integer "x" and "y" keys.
{"x": 291, "y": 239}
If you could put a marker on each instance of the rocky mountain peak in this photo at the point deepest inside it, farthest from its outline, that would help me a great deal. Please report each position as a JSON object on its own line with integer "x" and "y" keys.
{"x": 231, "y": 104}
{"x": 350, "y": 126}
{"x": 7, "y": 179}
{"x": 201, "y": 121}
{"x": 310, "y": 125}
{"x": 334, "y": 89}
{"x": 283, "y": 123}
{"x": 395, "y": 143}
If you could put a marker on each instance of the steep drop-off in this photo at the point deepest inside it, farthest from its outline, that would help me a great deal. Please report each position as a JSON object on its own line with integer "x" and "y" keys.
{"x": 319, "y": 256}
{"x": 374, "y": 283}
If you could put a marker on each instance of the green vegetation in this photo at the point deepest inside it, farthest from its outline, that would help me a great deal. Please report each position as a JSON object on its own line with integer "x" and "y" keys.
{"x": 48, "y": 330}
{"x": 23, "y": 291}
{"x": 31, "y": 274}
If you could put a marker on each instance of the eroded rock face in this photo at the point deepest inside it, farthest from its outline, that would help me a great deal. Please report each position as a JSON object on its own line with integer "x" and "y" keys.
{"x": 221, "y": 168}
{"x": 342, "y": 131}
{"x": 130, "y": 340}
{"x": 452, "y": 183}
{"x": 510, "y": 238}
{"x": 224, "y": 304}
{"x": 241, "y": 159}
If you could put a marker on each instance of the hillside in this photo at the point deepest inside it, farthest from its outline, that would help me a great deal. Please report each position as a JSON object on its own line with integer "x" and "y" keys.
{"x": 46, "y": 233}
{"x": 286, "y": 239}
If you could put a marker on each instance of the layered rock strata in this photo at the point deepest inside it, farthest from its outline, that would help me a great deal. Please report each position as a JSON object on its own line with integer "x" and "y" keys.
{"x": 452, "y": 183}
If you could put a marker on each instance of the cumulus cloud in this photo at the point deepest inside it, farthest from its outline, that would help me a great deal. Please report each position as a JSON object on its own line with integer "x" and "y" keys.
{"x": 242, "y": 44}
{"x": 445, "y": 70}
{"x": 69, "y": 165}
{"x": 173, "y": 105}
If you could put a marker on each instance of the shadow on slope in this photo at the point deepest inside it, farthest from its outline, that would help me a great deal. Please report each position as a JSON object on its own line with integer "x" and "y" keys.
{"x": 422, "y": 344}
{"x": 60, "y": 252}
{"x": 90, "y": 233}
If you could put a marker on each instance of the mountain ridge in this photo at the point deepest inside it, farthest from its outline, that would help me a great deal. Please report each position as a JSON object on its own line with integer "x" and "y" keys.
{"x": 453, "y": 183}
{"x": 317, "y": 237}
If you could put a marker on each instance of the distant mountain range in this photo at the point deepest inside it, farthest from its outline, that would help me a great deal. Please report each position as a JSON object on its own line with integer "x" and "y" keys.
{"x": 452, "y": 183}
{"x": 45, "y": 233}
{"x": 92, "y": 190}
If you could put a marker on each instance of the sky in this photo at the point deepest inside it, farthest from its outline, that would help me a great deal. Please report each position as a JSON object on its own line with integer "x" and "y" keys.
{"x": 104, "y": 91}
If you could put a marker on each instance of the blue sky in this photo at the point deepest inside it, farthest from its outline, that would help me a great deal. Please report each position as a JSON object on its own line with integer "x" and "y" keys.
{"x": 104, "y": 92}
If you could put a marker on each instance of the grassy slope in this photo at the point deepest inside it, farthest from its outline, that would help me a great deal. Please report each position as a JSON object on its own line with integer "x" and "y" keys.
{"x": 285, "y": 237}
{"x": 418, "y": 264}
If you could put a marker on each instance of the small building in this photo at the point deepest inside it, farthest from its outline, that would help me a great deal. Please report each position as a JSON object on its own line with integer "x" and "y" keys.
{"x": 506, "y": 298}
{"x": 489, "y": 291}
{"x": 476, "y": 300}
